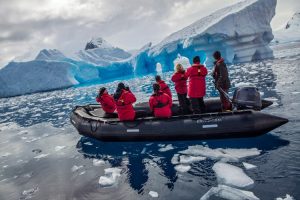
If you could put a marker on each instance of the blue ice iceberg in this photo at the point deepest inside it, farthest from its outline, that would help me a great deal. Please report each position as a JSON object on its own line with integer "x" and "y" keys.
{"x": 242, "y": 33}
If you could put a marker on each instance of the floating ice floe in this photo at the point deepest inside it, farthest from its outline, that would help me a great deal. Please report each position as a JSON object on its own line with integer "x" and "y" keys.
{"x": 232, "y": 155}
{"x": 28, "y": 194}
{"x": 184, "y": 159}
{"x": 229, "y": 193}
{"x": 249, "y": 166}
{"x": 98, "y": 162}
{"x": 5, "y": 154}
{"x": 231, "y": 175}
{"x": 88, "y": 143}
{"x": 182, "y": 168}
{"x": 76, "y": 168}
{"x": 153, "y": 194}
{"x": 287, "y": 197}
{"x": 166, "y": 148}
{"x": 110, "y": 177}
{"x": 41, "y": 156}
{"x": 58, "y": 148}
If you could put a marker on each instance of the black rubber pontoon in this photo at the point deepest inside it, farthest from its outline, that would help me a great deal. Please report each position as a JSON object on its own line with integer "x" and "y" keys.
{"x": 89, "y": 120}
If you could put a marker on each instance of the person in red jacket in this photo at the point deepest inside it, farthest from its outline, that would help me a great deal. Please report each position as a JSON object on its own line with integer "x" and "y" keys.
{"x": 160, "y": 103}
{"x": 107, "y": 102}
{"x": 197, "y": 86}
{"x": 124, "y": 99}
{"x": 180, "y": 79}
{"x": 163, "y": 86}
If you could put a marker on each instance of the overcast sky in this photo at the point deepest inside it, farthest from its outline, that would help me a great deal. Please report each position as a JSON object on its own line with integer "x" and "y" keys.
{"x": 29, "y": 26}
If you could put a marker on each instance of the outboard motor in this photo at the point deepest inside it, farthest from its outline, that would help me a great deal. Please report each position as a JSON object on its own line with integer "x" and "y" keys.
{"x": 247, "y": 98}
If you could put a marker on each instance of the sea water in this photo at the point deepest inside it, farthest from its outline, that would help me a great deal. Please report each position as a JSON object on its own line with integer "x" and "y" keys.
{"x": 43, "y": 157}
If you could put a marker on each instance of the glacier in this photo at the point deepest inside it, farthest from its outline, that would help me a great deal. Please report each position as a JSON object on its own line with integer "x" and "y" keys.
{"x": 241, "y": 32}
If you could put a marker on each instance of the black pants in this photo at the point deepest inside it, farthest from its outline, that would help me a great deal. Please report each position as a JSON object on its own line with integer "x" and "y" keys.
{"x": 184, "y": 103}
{"x": 198, "y": 105}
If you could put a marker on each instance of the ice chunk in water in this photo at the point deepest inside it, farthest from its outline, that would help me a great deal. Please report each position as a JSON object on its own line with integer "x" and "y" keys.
{"x": 76, "y": 168}
{"x": 249, "y": 166}
{"x": 58, "y": 148}
{"x": 98, "y": 162}
{"x": 184, "y": 159}
{"x": 287, "y": 197}
{"x": 232, "y": 155}
{"x": 231, "y": 175}
{"x": 229, "y": 193}
{"x": 175, "y": 159}
{"x": 166, "y": 148}
{"x": 110, "y": 177}
{"x": 28, "y": 194}
{"x": 41, "y": 156}
{"x": 153, "y": 194}
{"x": 182, "y": 168}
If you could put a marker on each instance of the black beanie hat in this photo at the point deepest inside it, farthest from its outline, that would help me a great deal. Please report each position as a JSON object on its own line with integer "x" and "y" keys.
{"x": 102, "y": 90}
{"x": 156, "y": 87}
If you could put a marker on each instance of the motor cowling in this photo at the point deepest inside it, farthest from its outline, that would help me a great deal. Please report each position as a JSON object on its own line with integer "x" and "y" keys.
{"x": 247, "y": 97}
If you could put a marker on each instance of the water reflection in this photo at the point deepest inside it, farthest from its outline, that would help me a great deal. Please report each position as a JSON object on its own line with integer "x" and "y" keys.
{"x": 137, "y": 154}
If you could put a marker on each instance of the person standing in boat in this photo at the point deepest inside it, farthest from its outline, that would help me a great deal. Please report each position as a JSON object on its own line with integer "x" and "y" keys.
{"x": 107, "y": 102}
{"x": 124, "y": 99}
{"x": 180, "y": 80}
{"x": 160, "y": 103}
{"x": 197, "y": 87}
{"x": 163, "y": 86}
{"x": 222, "y": 82}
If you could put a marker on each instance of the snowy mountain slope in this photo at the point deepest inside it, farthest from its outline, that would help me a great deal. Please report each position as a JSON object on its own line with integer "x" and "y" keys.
{"x": 100, "y": 52}
{"x": 291, "y": 32}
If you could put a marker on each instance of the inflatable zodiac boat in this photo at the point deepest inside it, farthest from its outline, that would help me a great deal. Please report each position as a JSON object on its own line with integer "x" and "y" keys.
{"x": 246, "y": 121}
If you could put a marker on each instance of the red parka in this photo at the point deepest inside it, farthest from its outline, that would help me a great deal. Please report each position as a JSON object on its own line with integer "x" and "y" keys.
{"x": 179, "y": 78}
{"x": 165, "y": 88}
{"x": 107, "y": 102}
{"x": 197, "y": 86}
{"x": 124, "y": 106}
{"x": 161, "y": 104}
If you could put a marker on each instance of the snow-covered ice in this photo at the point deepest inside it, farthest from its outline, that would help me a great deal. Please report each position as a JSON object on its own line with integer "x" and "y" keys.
{"x": 182, "y": 168}
{"x": 249, "y": 166}
{"x": 153, "y": 194}
{"x": 287, "y": 197}
{"x": 98, "y": 162}
{"x": 110, "y": 177}
{"x": 230, "y": 193}
{"x": 76, "y": 168}
{"x": 58, "y": 148}
{"x": 231, "y": 175}
{"x": 166, "y": 148}
{"x": 228, "y": 154}
{"x": 185, "y": 159}
{"x": 41, "y": 156}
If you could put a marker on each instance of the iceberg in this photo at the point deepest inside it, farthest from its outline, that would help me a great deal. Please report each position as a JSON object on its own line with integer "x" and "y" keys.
{"x": 242, "y": 33}
{"x": 99, "y": 52}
